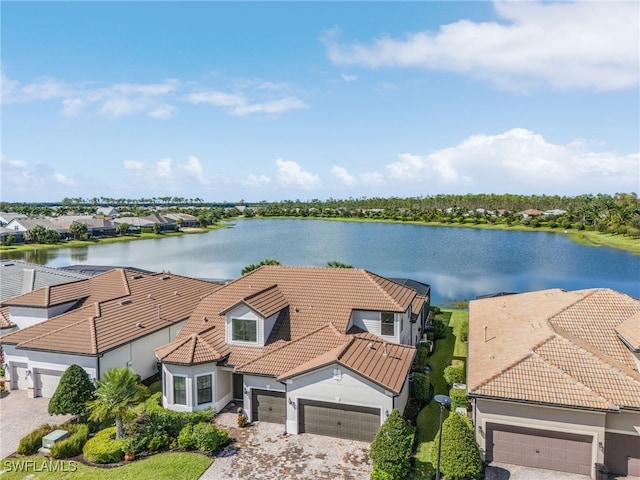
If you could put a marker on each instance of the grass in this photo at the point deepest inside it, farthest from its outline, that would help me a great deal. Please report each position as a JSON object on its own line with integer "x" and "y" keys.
{"x": 164, "y": 466}
{"x": 448, "y": 349}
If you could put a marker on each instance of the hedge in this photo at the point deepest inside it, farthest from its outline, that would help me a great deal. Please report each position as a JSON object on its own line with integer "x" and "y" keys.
{"x": 30, "y": 443}
{"x": 420, "y": 385}
{"x": 73, "y": 444}
{"x": 209, "y": 437}
{"x": 104, "y": 447}
{"x": 454, "y": 375}
{"x": 458, "y": 398}
{"x": 390, "y": 450}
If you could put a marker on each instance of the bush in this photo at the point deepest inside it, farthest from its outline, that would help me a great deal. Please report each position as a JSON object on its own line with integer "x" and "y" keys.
{"x": 73, "y": 392}
{"x": 186, "y": 441}
{"x": 411, "y": 410}
{"x": 377, "y": 474}
{"x": 390, "y": 450}
{"x": 104, "y": 447}
{"x": 155, "y": 388}
{"x": 464, "y": 331}
{"x": 209, "y": 437}
{"x": 422, "y": 353}
{"x": 458, "y": 398}
{"x": 454, "y": 375}
{"x": 420, "y": 385}
{"x": 459, "y": 456}
{"x": 30, "y": 443}
{"x": 73, "y": 444}
{"x": 439, "y": 329}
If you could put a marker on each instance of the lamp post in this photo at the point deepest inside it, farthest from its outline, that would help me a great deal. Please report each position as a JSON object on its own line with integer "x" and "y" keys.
{"x": 444, "y": 401}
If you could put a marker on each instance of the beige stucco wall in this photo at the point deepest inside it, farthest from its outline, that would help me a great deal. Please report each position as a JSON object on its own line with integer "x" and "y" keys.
{"x": 626, "y": 422}
{"x": 541, "y": 417}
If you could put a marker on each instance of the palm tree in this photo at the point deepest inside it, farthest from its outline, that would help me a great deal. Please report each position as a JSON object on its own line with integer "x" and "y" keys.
{"x": 116, "y": 394}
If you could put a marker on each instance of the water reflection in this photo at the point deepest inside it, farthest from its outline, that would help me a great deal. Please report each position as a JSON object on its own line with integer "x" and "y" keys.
{"x": 39, "y": 257}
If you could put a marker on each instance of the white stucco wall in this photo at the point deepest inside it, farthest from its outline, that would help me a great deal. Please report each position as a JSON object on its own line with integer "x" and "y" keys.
{"x": 582, "y": 422}
{"x": 220, "y": 380}
{"x": 370, "y": 321}
{"x": 252, "y": 382}
{"x": 139, "y": 355}
{"x": 24, "y": 317}
{"x": 351, "y": 389}
{"x": 245, "y": 313}
{"x": 626, "y": 422}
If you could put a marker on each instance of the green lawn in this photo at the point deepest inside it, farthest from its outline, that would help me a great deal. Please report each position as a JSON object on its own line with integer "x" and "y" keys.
{"x": 163, "y": 466}
{"x": 447, "y": 350}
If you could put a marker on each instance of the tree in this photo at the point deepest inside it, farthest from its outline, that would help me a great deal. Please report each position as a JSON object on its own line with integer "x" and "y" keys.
{"x": 253, "y": 266}
{"x": 116, "y": 394}
{"x": 454, "y": 374}
{"x": 77, "y": 229}
{"x": 74, "y": 391}
{"x": 390, "y": 450}
{"x": 157, "y": 229}
{"x": 338, "y": 264}
{"x": 459, "y": 457}
{"x": 40, "y": 234}
{"x": 122, "y": 228}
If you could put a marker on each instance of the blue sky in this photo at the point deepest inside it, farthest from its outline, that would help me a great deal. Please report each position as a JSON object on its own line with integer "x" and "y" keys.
{"x": 303, "y": 100}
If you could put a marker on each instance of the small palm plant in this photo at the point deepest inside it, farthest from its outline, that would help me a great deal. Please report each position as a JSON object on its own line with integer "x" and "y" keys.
{"x": 116, "y": 394}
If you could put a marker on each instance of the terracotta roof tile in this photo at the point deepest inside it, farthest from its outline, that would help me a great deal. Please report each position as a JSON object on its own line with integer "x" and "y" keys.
{"x": 266, "y": 302}
{"x": 555, "y": 347}
{"x": 629, "y": 330}
{"x": 198, "y": 348}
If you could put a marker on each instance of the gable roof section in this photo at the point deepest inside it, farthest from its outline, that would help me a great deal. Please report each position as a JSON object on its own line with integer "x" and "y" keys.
{"x": 555, "y": 347}
{"x": 202, "y": 347}
{"x": 152, "y": 302}
{"x": 629, "y": 331}
{"x": 266, "y": 302}
{"x": 383, "y": 363}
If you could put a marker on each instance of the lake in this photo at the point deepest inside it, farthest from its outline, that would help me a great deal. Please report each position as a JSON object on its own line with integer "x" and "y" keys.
{"x": 458, "y": 263}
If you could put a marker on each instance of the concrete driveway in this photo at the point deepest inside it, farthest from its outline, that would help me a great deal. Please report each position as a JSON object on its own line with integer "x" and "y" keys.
{"x": 20, "y": 415}
{"x": 502, "y": 471}
{"x": 263, "y": 452}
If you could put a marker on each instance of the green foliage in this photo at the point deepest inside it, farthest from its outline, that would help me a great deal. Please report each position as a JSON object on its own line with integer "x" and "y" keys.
{"x": 157, "y": 228}
{"x": 73, "y": 444}
{"x": 422, "y": 352}
{"x": 464, "y": 331}
{"x": 458, "y": 398}
{"x": 186, "y": 440}
{"x": 377, "y": 474}
{"x": 338, "y": 264}
{"x": 459, "y": 456}
{"x": 420, "y": 385}
{"x": 454, "y": 374}
{"x": 122, "y": 228}
{"x": 104, "y": 447}
{"x": 390, "y": 450}
{"x": 73, "y": 392}
{"x": 40, "y": 234}
{"x": 209, "y": 437}
{"x": 30, "y": 443}
{"x": 439, "y": 329}
{"x": 78, "y": 229}
{"x": 155, "y": 387}
{"x": 116, "y": 394}
{"x": 253, "y": 266}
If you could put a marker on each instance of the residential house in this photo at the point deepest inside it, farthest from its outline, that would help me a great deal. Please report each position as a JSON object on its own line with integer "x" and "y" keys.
{"x": 5, "y": 217}
{"x": 107, "y": 211}
{"x": 8, "y": 235}
{"x": 183, "y": 219}
{"x": 96, "y": 227}
{"x": 554, "y": 380}
{"x": 319, "y": 350}
{"x": 114, "y": 319}
{"x": 136, "y": 224}
{"x": 23, "y": 225}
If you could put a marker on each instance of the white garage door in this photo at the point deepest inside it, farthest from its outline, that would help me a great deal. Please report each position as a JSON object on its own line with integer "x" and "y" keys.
{"x": 19, "y": 378}
{"x": 46, "y": 382}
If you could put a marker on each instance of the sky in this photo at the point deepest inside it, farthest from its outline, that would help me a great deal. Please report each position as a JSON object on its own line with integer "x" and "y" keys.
{"x": 253, "y": 101}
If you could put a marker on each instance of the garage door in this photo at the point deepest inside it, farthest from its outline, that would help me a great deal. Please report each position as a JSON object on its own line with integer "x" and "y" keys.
{"x": 530, "y": 447}
{"x": 19, "y": 378}
{"x": 46, "y": 382}
{"x": 622, "y": 454}
{"x": 268, "y": 406}
{"x": 338, "y": 420}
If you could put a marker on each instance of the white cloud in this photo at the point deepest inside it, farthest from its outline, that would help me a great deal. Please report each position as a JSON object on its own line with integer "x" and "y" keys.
{"x": 239, "y": 104}
{"x": 341, "y": 174}
{"x": 518, "y": 161}
{"x": 348, "y": 78}
{"x": 133, "y": 165}
{"x": 193, "y": 168}
{"x": 564, "y": 44}
{"x": 371, "y": 179}
{"x": 163, "y": 168}
{"x": 274, "y": 106}
{"x": 30, "y": 177}
{"x": 253, "y": 181}
{"x": 290, "y": 174}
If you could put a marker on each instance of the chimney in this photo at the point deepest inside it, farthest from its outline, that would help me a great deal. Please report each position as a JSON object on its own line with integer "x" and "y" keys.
{"x": 28, "y": 279}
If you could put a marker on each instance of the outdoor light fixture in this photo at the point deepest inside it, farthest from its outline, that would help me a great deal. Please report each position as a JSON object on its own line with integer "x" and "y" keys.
{"x": 245, "y": 390}
{"x": 291, "y": 402}
{"x": 337, "y": 374}
{"x": 444, "y": 402}
{"x": 29, "y": 372}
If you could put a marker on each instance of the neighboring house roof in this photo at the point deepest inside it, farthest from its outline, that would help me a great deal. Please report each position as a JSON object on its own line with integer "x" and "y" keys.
{"x": 29, "y": 223}
{"x": 91, "y": 270}
{"x": 421, "y": 288}
{"x": 315, "y": 306}
{"x": 556, "y": 347}
{"x": 532, "y": 211}
{"x": 6, "y": 217}
{"x": 114, "y": 308}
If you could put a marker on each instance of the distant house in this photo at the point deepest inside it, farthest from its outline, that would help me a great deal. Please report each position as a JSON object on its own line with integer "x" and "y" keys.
{"x": 5, "y": 217}
{"x": 553, "y": 213}
{"x": 186, "y": 219}
{"x": 96, "y": 227}
{"x": 532, "y": 212}
{"x": 23, "y": 225}
{"x": 107, "y": 211}
{"x": 319, "y": 350}
{"x": 114, "y": 319}
{"x": 136, "y": 224}
{"x": 554, "y": 380}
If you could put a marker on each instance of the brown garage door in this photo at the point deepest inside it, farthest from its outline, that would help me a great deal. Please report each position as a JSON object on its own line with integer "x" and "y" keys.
{"x": 268, "y": 406}
{"x": 530, "y": 447}
{"x": 338, "y": 420}
{"x": 622, "y": 454}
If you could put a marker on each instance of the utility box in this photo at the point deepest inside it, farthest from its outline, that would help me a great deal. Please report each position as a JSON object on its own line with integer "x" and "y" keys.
{"x": 53, "y": 437}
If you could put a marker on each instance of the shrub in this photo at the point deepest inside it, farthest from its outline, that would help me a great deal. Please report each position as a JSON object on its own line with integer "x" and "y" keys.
{"x": 209, "y": 437}
{"x": 390, "y": 450}
{"x": 459, "y": 455}
{"x": 435, "y": 310}
{"x": 104, "y": 447}
{"x": 73, "y": 444}
{"x": 377, "y": 474}
{"x": 464, "y": 331}
{"x": 186, "y": 441}
{"x": 454, "y": 374}
{"x": 30, "y": 443}
{"x": 73, "y": 392}
{"x": 422, "y": 353}
{"x": 439, "y": 329}
{"x": 458, "y": 398}
{"x": 420, "y": 385}
{"x": 155, "y": 388}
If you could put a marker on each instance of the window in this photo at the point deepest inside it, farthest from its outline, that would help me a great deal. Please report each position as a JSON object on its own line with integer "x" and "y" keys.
{"x": 243, "y": 330}
{"x": 205, "y": 392}
{"x": 180, "y": 390}
{"x": 387, "y": 326}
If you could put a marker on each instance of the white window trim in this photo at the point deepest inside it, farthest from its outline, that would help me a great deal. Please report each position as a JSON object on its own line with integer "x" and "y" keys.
{"x": 382, "y": 323}
{"x": 244, "y": 342}
{"x": 173, "y": 390}
{"x": 210, "y": 375}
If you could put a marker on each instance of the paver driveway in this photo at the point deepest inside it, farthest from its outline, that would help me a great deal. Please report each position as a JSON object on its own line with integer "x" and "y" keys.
{"x": 263, "y": 452}
{"x": 502, "y": 471}
{"x": 19, "y": 415}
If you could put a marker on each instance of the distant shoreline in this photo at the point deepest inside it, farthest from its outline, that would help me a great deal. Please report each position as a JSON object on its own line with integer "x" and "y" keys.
{"x": 582, "y": 237}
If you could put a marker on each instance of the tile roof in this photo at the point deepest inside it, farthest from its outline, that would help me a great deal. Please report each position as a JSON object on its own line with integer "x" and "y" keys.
{"x": 266, "y": 302}
{"x": 202, "y": 347}
{"x": 118, "y": 307}
{"x": 555, "y": 347}
{"x": 629, "y": 330}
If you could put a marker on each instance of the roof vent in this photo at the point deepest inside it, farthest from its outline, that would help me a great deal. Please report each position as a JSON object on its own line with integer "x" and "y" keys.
{"x": 296, "y": 309}
{"x": 166, "y": 277}
{"x": 205, "y": 319}
{"x": 139, "y": 325}
{"x": 8, "y": 264}
{"x": 150, "y": 297}
{"x": 370, "y": 346}
{"x": 126, "y": 302}
{"x": 136, "y": 277}
{"x": 385, "y": 353}
{"x": 176, "y": 293}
